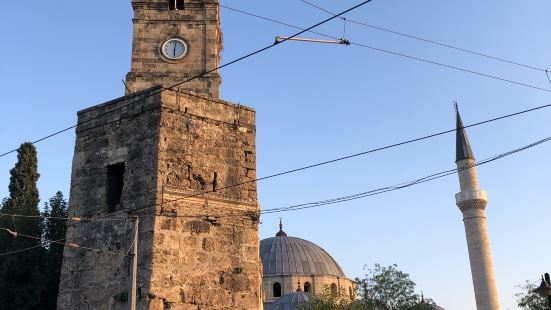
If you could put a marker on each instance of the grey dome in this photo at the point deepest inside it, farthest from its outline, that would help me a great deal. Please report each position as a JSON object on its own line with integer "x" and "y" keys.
{"x": 284, "y": 255}
{"x": 289, "y": 301}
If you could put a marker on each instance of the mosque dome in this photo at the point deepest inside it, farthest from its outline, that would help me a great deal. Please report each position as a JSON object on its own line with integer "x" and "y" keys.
{"x": 289, "y": 301}
{"x": 285, "y": 255}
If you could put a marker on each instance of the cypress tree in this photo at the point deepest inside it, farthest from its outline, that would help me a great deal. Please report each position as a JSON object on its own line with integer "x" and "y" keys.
{"x": 22, "y": 281}
{"x": 54, "y": 230}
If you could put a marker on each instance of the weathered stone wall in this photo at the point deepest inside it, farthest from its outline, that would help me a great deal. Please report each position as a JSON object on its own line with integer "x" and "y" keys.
{"x": 129, "y": 135}
{"x": 206, "y": 248}
{"x": 193, "y": 252}
{"x": 198, "y": 25}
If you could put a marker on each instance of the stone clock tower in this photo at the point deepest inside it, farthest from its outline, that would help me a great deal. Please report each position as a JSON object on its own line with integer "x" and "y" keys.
{"x": 174, "y": 159}
{"x": 173, "y": 41}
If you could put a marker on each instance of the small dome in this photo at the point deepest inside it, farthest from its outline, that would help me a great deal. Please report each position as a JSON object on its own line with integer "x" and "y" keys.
{"x": 284, "y": 255}
{"x": 289, "y": 301}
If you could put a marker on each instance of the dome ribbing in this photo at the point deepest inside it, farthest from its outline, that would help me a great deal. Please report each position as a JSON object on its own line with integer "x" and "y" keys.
{"x": 284, "y": 255}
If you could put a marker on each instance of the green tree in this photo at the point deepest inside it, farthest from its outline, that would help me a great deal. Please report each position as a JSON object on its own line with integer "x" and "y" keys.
{"x": 54, "y": 228}
{"x": 528, "y": 300}
{"x": 23, "y": 194}
{"x": 387, "y": 288}
{"x": 21, "y": 281}
{"x": 328, "y": 300}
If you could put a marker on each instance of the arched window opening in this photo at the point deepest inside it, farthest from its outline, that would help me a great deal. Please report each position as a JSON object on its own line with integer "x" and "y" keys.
{"x": 277, "y": 289}
{"x": 350, "y": 292}
{"x": 307, "y": 287}
{"x": 334, "y": 290}
{"x": 175, "y": 4}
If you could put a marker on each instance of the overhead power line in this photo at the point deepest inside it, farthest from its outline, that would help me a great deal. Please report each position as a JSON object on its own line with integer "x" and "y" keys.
{"x": 381, "y": 190}
{"x": 395, "y": 187}
{"x": 76, "y": 218}
{"x": 141, "y": 98}
{"x": 378, "y": 149}
{"x": 452, "y": 67}
{"x": 416, "y": 37}
{"x": 356, "y": 196}
{"x": 25, "y": 249}
{"x": 16, "y": 234}
{"x": 72, "y": 218}
{"x": 374, "y": 150}
{"x": 424, "y": 60}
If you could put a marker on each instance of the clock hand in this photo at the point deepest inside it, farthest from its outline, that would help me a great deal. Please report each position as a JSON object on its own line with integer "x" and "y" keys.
{"x": 174, "y": 48}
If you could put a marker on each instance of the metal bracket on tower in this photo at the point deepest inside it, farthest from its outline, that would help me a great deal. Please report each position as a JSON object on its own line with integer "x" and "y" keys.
{"x": 280, "y": 39}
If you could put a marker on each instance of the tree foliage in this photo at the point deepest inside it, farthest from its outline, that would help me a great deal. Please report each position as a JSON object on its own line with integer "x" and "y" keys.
{"x": 383, "y": 288}
{"x": 387, "y": 288}
{"x": 29, "y": 274}
{"x": 528, "y": 300}
{"x": 23, "y": 195}
{"x": 22, "y": 279}
{"x": 328, "y": 300}
{"x": 54, "y": 229}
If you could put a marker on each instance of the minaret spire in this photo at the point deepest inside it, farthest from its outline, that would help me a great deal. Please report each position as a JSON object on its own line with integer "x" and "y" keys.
{"x": 462, "y": 145}
{"x": 472, "y": 201}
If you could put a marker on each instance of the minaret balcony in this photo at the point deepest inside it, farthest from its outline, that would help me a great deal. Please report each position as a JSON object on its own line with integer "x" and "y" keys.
{"x": 471, "y": 195}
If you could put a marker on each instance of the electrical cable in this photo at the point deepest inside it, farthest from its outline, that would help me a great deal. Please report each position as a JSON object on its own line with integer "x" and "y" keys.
{"x": 451, "y": 67}
{"x": 342, "y": 158}
{"x": 73, "y": 218}
{"x": 400, "y": 54}
{"x": 194, "y": 77}
{"x": 69, "y": 244}
{"x": 369, "y": 193}
{"x": 385, "y": 189}
{"x": 107, "y": 216}
{"x": 364, "y": 152}
{"x": 25, "y": 249}
{"x": 426, "y": 40}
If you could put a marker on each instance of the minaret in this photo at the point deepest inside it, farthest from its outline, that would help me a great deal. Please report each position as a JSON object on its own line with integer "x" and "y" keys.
{"x": 472, "y": 201}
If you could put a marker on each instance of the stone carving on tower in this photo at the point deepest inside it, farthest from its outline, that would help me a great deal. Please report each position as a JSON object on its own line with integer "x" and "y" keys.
{"x": 472, "y": 201}
{"x": 172, "y": 157}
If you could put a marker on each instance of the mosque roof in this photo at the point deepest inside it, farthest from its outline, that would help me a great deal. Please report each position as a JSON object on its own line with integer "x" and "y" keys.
{"x": 285, "y": 255}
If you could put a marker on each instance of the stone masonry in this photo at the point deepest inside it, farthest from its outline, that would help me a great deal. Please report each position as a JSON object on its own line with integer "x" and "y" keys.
{"x": 198, "y": 25}
{"x": 194, "y": 252}
{"x": 181, "y": 160}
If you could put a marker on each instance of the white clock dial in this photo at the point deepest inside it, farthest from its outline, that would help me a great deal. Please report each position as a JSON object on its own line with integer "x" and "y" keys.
{"x": 174, "y": 49}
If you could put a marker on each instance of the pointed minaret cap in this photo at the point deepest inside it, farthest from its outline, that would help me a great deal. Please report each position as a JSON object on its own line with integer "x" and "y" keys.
{"x": 462, "y": 146}
{"x": 281, "y": 233}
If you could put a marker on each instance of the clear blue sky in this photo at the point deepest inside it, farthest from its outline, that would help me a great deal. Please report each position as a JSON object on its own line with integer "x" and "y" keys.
{"x": 316, "y": 102}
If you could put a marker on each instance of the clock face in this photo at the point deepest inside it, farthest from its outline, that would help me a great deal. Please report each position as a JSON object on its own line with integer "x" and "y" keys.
{"x": 174, "y": 49}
